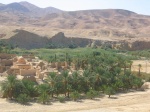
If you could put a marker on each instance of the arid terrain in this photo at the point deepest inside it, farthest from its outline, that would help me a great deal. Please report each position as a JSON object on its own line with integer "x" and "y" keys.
{"x": 108, "y": 25}
{"x": 145, "y": 65}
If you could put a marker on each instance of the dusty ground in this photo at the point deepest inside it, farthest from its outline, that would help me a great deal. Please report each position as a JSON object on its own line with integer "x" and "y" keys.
{"x": 129, "y": 102}
{"x": 144, "y": 63}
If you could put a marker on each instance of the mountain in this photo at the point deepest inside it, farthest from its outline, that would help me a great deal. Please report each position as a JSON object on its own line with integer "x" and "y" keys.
{"x": 28, "y": 40}
{"x": 101, "y": 23}
{"x": 13, "y": 7}
{"x": 1, "y": 4}
{"x": 37, "y": 11}
{"x": 107, "y": 24}
{"x": 48, "y": 10}
{"x": 27, "y": 9}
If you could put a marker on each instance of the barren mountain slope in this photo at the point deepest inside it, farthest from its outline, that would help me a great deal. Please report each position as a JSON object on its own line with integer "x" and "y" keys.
{"x": 24, "y": 39}
{"x": 108, "y": 24}
{"x": 101, "y": 23}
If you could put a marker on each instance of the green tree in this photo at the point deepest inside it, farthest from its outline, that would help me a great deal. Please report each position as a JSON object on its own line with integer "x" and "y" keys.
{"x": 92, "y": 94}
{"x": 109, "y": 91}
{"x": 140, "y": 66}
{"x": 8, "y": 86}
{"x": 30, "y": 88}
{"x": 43, "y": 90}
{"x": 65, "y": 75}
{"x": 23, "y": 98}
{"x": 51, "y": 80}
{"x": 75, "y": 95}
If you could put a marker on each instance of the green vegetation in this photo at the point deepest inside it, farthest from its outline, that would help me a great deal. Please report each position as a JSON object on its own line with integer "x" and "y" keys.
{"x": 52, "y": 55}
{"x": 92, "y": 94}
{"x": 43, "y": 90}
{"x": 96, "y": 71}
{"x": 144, "y": 53}
{"x": 61, "y": 99}
{"x": 5, "y": 47}
{"x": 75, "y": 95}
{"x": 23, "y": 98}
{"x": 109, "y": 91}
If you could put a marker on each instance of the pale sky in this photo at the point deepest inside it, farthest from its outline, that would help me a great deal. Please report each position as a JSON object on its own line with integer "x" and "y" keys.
{"x": 138, "y": 6}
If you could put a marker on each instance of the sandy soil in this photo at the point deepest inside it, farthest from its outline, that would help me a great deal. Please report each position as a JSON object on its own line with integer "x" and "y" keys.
{"x": 145, "y": 65}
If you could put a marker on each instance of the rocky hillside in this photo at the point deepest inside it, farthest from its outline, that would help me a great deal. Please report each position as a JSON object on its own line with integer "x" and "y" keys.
{"x": 104, "y": 25}
{"x": 37, "y": 11}
{"x": 27, "y": 14}
{"x": 28, "y": 40}
{"x": 27, "y": 8}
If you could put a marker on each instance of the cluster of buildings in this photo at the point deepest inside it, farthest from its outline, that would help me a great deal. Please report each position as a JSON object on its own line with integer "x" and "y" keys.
{"x": 28, "y": 67}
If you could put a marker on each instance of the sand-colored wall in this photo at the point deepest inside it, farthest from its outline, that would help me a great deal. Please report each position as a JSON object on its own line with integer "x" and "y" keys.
{"x": 13, "y": 71}
{"x": 58, "y": 65}
{"x": 24, "y": 66}
{"x": 31, "y": 72}
{"x": 28, "y": 56}
{"x": 2, "y": 69}
{"x": 7, "y": 62}
{"x": 53, "y": 65}
{"x": 6, "y": 56}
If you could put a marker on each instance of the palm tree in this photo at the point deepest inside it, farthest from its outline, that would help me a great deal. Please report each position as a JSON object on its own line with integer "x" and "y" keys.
{"x": 86, "y": 76}
{"x": 75, "y": 95}
{"x": 92, "y": 94}
{"x": 75, "y": 80}
{"x": 30, "y": 88}
{"x": 98, "y": 76}
{"x": 66, "y": 57}
{"x": 51, "y": 80}
{"x": 1, "y": 49}
{"x": 140, "y": 66}
{"x": 130, "y": 64}
{"x": 109, "y": 91}
{"x": 43, "y": 90}
{"x": 55, "y": 57}
{"x": 97, "y": 80}
{"x": 85, "y": 81}
{"x": 65, "y": 75}
{"x": 8, "y": 86}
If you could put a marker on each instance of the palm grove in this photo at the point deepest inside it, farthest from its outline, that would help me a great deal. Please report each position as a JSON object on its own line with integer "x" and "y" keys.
{"x": 97, "y": 73}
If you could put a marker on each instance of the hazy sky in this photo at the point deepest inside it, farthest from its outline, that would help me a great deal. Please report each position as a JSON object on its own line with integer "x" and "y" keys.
{"x": 138, "y": 6}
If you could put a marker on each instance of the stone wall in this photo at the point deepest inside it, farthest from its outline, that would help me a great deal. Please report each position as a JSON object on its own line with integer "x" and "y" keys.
{"x": 7, "y": 62}
{"x": 31, "y": 72}
{"x": 24, "y": 66}
{"x": 2, "y": 69}
{"x": 13, "y": 71}
{"x": 7, "y": 56}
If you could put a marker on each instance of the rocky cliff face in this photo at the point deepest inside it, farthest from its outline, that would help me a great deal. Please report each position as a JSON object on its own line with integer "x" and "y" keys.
{"x": 140, "y": 45}
{"x": 28, "y": 40}
{"x": 60, "y": 39}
